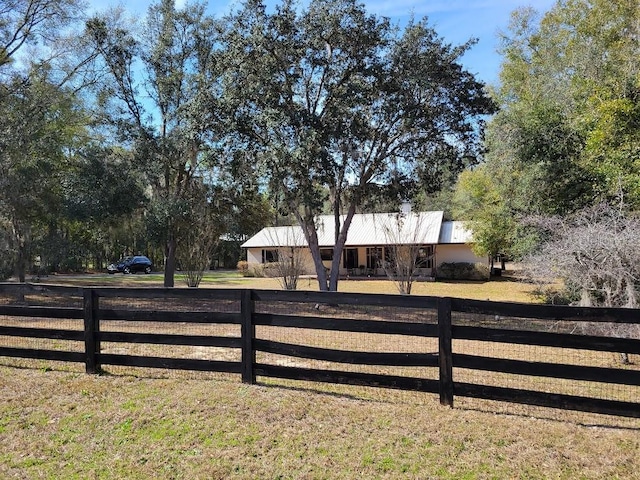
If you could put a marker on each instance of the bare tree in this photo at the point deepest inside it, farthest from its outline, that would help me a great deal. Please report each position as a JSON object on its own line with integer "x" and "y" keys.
{"x": 287, "y": 263}
{"x": 199, "y": 235}
{"x": 596, "y": 254}
{"x": 405, "y": 251}
{"x": 194, "y": 254}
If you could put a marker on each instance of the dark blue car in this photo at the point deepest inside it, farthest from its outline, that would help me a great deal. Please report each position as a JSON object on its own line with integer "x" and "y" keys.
{"x": 137, "y": 263}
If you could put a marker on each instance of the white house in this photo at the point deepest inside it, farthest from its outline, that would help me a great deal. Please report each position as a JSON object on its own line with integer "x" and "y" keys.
{"x": 368, "y": 242}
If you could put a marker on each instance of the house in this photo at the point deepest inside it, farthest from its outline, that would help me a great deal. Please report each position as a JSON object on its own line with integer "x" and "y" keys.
{"x": 370, "y": 241}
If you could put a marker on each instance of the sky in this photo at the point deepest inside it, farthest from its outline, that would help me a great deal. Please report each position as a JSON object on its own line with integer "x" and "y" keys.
{"x": 454, "y": 20}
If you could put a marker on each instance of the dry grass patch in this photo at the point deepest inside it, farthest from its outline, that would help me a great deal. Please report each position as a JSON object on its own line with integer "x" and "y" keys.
{"x": 66, "y": 425}
{"x": 505, "y": 288}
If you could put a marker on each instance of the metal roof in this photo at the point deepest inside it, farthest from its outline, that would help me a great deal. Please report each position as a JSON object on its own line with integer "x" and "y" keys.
{"x": 455, "y": 232}
{"x": 368, "y": 229}
{"x": 277, "y": 237}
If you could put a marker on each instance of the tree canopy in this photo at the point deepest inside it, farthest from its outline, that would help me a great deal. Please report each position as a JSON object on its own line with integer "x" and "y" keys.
{"x": 40, "y": 118}
{"x": 154, "y": 78}
{"x": 566, "y": 135}
{"x": 116, "y": 131}
{"x": 335, "y": 102}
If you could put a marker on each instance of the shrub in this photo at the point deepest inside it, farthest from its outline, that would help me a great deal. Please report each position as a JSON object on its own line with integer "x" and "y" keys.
{"x": 7, "y": 253}
{"x": 243, "y": 268}
{"x": 6, "y": 267}
{"x": 270, "y": 270}
{"x": 257, "y": 271}
{"x": 463, "y": 271}
{"x": 554, "y": 296}
{"x": 263, "y": 270}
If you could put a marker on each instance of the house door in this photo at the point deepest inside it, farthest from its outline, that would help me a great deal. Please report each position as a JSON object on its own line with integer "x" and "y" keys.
{"x": 350, "y": 258}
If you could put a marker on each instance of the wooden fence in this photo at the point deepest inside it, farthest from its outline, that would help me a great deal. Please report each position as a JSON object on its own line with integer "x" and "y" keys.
{"x": 95, "y": 317}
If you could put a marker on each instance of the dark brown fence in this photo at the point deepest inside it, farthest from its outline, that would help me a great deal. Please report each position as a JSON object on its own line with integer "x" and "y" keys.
{"x": 583, "y": 359}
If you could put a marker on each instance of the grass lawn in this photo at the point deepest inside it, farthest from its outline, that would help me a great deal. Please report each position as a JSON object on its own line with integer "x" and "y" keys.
{"x": 505, "y": 288}
{"x": 70, "y": 425}
{"x": 63, "y": 423}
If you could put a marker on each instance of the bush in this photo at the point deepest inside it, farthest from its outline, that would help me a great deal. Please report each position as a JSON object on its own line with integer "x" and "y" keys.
{"x": 263, "y": 270}
{"x": 257, "y": 271}
{"x": 6, "y": 267}
{"x": 266, "y": 270}
{"x": 463, "y": 271}
{"x": 555, "y": 296}
{"x": 243, "y": 267}
{"x": 7, "y": 252}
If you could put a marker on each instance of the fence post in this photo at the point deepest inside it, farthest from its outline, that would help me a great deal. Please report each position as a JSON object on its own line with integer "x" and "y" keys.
{"x": 248, "y": 333}
{"x": 91, "y": 330}
{"x": 445, "y": 351}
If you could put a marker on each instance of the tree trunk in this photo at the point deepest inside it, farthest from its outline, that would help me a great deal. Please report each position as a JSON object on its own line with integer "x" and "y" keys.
{"x": 21, "y": 257}
{"x": 307, "y": 223}
{"x": 321, "y": 272}
{"x": 339, "y": 247}
{"x": 20, "y": 263}
{"x": 169, "y": 261}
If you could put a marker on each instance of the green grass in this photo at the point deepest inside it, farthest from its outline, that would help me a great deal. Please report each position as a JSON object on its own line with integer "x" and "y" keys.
{"x": 66, "y": 425}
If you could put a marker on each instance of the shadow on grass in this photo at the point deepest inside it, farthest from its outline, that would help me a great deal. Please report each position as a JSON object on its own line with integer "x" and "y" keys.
{"x": 376, "y": 395}
{"x": 155, "y": 279}
{"x": 554, "y": 415}
{"x": 557, "y": 418}
{"x": 507, "y": 278}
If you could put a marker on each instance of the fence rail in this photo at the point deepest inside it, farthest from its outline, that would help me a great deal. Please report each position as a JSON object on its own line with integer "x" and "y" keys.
{"x": 137, "y": 316}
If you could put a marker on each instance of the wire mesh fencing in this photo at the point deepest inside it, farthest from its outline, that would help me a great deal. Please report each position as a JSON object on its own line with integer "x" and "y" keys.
{"x": 514, "y": 359}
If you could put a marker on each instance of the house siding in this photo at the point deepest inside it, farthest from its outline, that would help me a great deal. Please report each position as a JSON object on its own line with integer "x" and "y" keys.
{"x": 457, "y": 253}
{"x": 255, "y": 257}
{"x": 451, "y": 240}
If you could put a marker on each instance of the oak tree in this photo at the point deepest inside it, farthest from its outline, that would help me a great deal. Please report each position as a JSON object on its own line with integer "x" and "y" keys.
{"x": 334, "y": 100}
{"x": 154, "y": 76}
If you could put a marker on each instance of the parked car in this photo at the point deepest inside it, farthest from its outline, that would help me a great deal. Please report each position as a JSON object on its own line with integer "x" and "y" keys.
{"x": 137, "y": 263}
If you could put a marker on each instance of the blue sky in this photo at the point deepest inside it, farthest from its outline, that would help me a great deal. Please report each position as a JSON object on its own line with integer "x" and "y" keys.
{"x": 455, "y": 20}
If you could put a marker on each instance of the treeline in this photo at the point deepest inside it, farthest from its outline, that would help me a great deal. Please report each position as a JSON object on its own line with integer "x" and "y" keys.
{"x": 567, "y": 135}
{"x": 560, "y": 184}
{"x": 156, "y": 135}
{"x": 152, "y": 136}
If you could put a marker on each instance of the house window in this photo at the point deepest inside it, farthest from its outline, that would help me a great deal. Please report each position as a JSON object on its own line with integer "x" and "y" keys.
{"x": 424, "y": 258}
{"x": 350, "y": 258}
{"x": 326, "y": 254}
{"x": 269, "y": 256}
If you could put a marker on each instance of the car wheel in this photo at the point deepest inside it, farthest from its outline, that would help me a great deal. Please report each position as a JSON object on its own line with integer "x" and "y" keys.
{"x": 147, "y": 269}
{"x": 126, "y": 270}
